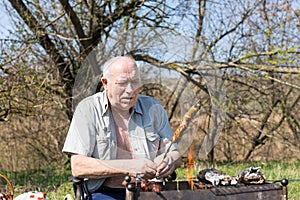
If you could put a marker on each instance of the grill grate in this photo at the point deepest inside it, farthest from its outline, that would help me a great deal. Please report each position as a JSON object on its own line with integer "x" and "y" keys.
{"x": 182, "y": 190}
{"x": 230, "y": 190}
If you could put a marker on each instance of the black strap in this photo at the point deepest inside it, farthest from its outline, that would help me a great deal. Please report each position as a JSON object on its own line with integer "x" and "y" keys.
{"x": 80, "y": 188}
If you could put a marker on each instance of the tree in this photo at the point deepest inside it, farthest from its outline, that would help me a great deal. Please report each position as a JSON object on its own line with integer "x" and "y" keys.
{"x": 251, "y": 48}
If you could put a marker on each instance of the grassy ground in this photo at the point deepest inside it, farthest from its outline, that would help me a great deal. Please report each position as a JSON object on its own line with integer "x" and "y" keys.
{"x": 275, "y": 170}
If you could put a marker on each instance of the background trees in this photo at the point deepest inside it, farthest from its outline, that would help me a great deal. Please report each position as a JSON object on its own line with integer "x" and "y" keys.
{"x": 240, "y": 57}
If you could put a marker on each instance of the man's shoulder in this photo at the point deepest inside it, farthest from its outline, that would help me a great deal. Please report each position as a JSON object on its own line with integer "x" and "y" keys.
{"x": 93, "y": 100}
{"x": 147, "y": 99}
{"x": 145, "y": 103}
{"x": 96, "y": 96}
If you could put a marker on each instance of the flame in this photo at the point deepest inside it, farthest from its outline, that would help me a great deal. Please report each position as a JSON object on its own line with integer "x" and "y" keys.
{"x": 190, "y": 167}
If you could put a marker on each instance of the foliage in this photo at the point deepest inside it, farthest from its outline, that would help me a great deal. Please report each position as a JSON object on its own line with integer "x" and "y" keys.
{"x": 43, "y": 179}
{"x": 249, "y": 47}
{"x": 60, "y": 192}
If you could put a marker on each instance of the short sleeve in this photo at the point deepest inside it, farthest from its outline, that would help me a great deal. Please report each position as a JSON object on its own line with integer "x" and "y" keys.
{"x": 164, "y": 130}
{"x": 81, "y": 135}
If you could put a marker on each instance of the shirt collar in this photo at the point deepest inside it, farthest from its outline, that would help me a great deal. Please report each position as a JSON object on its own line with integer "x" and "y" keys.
{"x": 104, "y": 103}
{"x": 137, "y": 107}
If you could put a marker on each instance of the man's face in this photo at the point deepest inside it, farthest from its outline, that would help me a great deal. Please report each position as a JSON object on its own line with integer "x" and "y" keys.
{"x": 123, "y": 86}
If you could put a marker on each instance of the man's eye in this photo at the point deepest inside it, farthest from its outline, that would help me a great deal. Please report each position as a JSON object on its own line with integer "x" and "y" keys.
{"x": 122, "y": 83}
{"x": 136, "y": 82}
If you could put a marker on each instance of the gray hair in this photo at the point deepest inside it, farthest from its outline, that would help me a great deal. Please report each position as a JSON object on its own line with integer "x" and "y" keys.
{"x": 107, "y": 65}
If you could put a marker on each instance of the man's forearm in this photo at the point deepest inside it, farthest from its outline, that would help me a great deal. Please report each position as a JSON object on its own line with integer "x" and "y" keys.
{"x": 87, "y": 167}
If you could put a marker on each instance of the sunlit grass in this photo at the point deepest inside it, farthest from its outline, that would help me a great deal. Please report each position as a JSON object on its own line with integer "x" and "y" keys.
{"x": 61, "y": 192}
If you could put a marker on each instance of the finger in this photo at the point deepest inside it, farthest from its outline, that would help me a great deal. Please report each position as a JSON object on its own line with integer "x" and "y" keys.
{"x": 165, "y": 171}
{"x": 162, "y": 165}
{"x": 150, "y": 169}
{"x": 149, "y": 174}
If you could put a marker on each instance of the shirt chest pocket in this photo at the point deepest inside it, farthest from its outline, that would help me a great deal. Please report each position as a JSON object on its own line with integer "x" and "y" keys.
{"x": 152, "y": 140}
{"x": 104, "y": 145}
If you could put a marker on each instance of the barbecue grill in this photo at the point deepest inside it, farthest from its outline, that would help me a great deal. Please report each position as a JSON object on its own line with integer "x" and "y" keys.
{"x": 174, "y": 190}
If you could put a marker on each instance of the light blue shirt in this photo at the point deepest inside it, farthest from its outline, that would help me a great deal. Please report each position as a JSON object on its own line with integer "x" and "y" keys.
{"x": 92, "y": 131}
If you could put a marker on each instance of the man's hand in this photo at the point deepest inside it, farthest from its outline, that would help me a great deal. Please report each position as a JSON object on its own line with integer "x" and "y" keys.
{"x": 145, "y": 167}
{"x": 167, "y": 165}
{"x": 164, "y": 167}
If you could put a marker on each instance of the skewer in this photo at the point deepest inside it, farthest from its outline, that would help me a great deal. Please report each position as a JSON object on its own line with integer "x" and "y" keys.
{"x": 183, "y": 125}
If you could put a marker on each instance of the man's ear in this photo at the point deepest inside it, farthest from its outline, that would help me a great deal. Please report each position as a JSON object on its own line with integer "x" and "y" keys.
{"x": 104, "y": 81}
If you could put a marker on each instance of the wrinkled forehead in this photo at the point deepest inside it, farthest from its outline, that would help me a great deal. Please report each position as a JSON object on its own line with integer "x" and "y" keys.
{"x": 132, "y": 75}
{"x": 128, "y": 75}
{"x": 125, "y": 70}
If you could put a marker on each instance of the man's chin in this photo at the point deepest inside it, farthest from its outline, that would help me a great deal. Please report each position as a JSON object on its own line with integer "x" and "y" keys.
{"x": 126, "y": 105}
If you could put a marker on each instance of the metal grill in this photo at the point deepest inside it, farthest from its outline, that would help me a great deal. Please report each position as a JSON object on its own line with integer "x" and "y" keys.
{"x": 182, "y": 190}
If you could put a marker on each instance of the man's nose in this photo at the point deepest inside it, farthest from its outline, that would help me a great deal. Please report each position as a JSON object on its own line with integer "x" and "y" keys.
{"x": 129, "y": 87}
{"x": 132, "y": 86}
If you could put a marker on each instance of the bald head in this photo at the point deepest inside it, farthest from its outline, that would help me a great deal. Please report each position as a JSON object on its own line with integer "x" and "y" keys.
{"x": 121, "y": 80}
{"x": 117, "y": 63}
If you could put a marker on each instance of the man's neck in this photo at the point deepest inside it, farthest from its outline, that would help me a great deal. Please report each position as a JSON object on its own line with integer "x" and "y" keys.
{"x": 121, "y": 118}
{"x": 124, "y": 114}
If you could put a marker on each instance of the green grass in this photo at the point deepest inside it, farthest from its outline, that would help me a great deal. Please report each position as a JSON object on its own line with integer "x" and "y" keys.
{"x": 57, "y": 186}
{"x": 61, "y": 192}
{"x": 50, "y": 180}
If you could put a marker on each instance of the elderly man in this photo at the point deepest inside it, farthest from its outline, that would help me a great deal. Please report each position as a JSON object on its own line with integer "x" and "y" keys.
{"x": 119, "y": 132}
